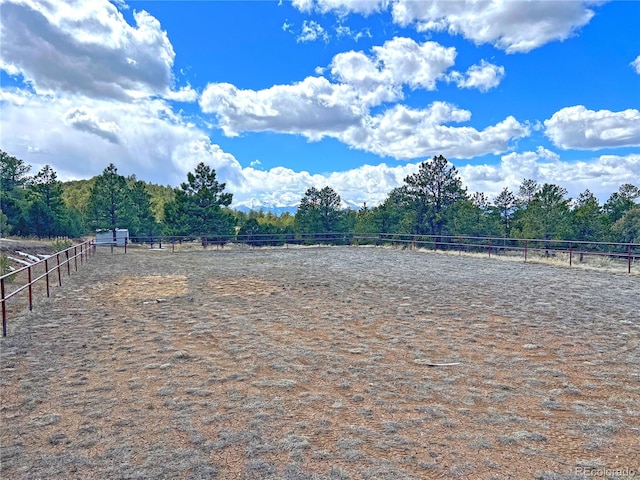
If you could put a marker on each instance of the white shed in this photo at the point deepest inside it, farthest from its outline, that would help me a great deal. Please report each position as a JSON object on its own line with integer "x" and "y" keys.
{"x": 105, "y": 237}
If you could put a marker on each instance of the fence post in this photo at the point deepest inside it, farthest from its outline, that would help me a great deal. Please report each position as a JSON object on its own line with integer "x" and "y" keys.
{"x": 59, "y": 275}
{"x": 4, "y": 309}
{"x": 68, "y": 264}
{"x": 75, "y": 257}
{"x": 629, "y": 259}
{"x": 570, "y": 255}
{"x": 525, "y": 250}
{"x": 46, "y": 273}
{"x": 125, "y": 246}
{"x": 30, "y": 289}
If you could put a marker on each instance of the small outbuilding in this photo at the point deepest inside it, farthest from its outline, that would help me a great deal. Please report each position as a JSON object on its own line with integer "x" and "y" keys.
{"x": 105, "y": 237}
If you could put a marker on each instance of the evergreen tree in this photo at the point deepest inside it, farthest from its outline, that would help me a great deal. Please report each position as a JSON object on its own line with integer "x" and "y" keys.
{"x": 505, "y": 204}
{"x": 621, "y": 201}
{"x": 546, "y": 215}
{"x": 198, "y": 207}
{"x": 319, "y": 211}
{"x": 627, "y": 228}
{"x": 47, "y": 210}
{"x": 110, "y": 204}
{"x": 527, "y": 192}
{"x": 13, "y": 177}
{"x": 144, "y": 222}
{"x": 432, "y": 192}
{"x": 587, "y": 218}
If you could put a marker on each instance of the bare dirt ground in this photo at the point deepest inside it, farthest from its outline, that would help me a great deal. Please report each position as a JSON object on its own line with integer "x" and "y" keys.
{"x": 313, "y": 363}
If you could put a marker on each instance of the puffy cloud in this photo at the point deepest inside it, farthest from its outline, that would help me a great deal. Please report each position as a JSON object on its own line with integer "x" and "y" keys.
{"x": 281, "y": 186}
{"x": 76, "y": 136}
{"x": 316, "y": 108}
{"x": 417, "y": 65}
{"x": 187, "y": 155}
{"x": 364, "y": 76}
{"x": 579, "y": 128}
{"x": 313, "y": 107}
{"x": 403, "y": 133}
{"x": 484, "y": 77}
{"x": 511, "y": 26}
{"x": 636, "y": 64}
{"x": 372, "y": 183}
{"x": 602, "y": 175}
{"x": 312, "y": 31}
{"x": 341, "y": 7}
{"x": 400, "y": 61}
{"x": 80, "y": 136}
{"x": 86, "y": 47}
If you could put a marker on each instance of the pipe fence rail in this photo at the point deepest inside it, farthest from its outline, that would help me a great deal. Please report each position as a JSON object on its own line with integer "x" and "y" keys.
{"x": 24, "y": 278}
{"x": 527, "y": 247}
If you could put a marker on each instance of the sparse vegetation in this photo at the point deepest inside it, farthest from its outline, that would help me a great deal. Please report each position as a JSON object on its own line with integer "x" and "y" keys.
{"x": 6, "y": 267}
{"x": 61, "y": 244}
{"x": 301, "y": 363}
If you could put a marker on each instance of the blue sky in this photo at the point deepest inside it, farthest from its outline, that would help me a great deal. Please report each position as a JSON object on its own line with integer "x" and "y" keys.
{"x": 282, "y": 96}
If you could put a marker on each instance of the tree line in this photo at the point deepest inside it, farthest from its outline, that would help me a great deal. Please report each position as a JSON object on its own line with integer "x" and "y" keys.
{"x": 432, "y": 201}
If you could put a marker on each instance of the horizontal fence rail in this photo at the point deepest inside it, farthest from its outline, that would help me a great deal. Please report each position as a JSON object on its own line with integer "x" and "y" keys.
{"x": 573, "y": 250}
{"x": 24, "y": 278}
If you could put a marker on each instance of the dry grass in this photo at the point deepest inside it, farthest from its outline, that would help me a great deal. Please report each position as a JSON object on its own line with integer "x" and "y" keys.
{"x": 310, "y": 363}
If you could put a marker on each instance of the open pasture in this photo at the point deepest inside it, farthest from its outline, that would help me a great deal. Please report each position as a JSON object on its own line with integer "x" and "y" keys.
{"x": 316, "y": 363}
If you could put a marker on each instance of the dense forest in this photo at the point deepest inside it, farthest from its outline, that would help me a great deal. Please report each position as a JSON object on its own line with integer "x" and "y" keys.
{"x": 432, "y": 201}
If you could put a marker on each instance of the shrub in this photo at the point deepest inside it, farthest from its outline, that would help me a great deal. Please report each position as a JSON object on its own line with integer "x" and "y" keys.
{"x": 61, "y": 244}
{"x": 5, "y": 267}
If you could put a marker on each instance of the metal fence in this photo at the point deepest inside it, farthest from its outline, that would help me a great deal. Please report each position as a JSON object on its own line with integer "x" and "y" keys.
{"x": 572, "y": 250}
{"x": 528, "y": 248}
{"x": 24, "y": 279}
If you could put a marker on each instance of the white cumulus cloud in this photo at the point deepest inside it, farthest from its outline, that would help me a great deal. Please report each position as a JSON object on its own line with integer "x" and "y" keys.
{"x": 341, "y": 7}
{"x": 404, "y": 133}
{"x": 317, "y": 108}
{"x": 86, "y": 47}
{"x": 602, "y": 175}
{"x": 509, "y": 25}
{"x": 636, "y": 64}
{"x": 313, "y": 107}
{"x": 513, "y": 26}
{"x": 400, "y": 61}
{"x": 80, "y": 136}
{"x": 484, "y": 76}
{"x": 579, "y": 128}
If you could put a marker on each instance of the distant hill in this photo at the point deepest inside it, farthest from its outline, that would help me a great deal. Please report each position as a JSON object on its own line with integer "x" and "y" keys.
{"x": 76, "y": 193}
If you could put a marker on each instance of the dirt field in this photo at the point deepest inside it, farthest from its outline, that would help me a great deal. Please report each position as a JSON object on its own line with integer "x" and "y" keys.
{"x": 315, "y": 363}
